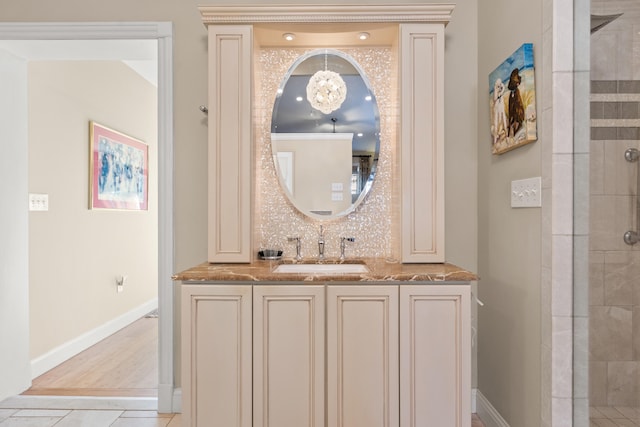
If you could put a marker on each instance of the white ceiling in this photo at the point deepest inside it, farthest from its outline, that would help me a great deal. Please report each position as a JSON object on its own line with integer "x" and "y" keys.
{"x": 323, "y": 35}
{"x": 140, "y": 55}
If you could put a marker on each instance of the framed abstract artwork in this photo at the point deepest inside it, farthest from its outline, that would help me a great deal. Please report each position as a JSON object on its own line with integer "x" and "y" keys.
{"x": 512, "y": 101}
{"x": 119, "y": 175}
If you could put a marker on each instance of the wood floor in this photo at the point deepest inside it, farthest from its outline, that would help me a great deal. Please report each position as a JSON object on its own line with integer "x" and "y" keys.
{"x": 124, "y": 364}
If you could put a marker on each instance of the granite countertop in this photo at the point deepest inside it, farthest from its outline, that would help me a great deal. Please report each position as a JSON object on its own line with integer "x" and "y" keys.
{"x": 380, "y": 270}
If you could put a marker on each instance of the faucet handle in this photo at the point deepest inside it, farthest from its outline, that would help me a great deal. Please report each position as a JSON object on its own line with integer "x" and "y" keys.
{"x": 343, "y": 244}
{"x": 297, "y": 240}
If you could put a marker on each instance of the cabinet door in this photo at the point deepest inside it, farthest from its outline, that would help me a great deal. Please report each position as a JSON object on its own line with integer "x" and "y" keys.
{"x": 422, "y": 141}
{"x": 230, "y": 142}
{"x": 216, "y": 352}
{"x": 435, "y": 356}
{"x": 362, "y": 356}
{"x": 288, "y": 352}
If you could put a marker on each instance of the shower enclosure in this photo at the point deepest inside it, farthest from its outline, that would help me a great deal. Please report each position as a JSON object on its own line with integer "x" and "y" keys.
{"x": 614, "y": 251}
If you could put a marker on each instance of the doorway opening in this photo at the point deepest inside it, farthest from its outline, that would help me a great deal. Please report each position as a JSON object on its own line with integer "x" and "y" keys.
{"x": 162, "y": 34}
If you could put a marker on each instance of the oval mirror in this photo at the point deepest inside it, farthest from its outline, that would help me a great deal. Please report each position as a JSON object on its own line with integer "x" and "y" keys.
{"x": 325, "y": 134}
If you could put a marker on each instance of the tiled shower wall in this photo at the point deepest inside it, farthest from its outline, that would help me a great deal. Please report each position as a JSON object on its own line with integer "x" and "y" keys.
{"x": 614, "y": 297}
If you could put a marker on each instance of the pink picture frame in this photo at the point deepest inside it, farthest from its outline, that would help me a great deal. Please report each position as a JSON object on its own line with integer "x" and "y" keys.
{"x": 119, "y": 170}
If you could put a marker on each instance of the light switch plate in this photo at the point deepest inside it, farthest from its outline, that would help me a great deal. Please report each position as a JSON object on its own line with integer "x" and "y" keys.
{"x": 336, "y": 196}
{"x": 526, "y": 193}
{"x": 38, "y": 202}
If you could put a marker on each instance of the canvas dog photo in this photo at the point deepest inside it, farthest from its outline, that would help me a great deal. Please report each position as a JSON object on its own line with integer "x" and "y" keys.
{"x": 512, "y": 101}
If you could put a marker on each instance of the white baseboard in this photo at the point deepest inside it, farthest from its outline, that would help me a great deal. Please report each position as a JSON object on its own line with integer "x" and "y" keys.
{"x": 56, "y": 356}
{"x": 487, "y": 413}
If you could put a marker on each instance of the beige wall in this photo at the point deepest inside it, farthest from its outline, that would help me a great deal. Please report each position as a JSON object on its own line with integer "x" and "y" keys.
{"x": 75, "y": 253}
{"x": 190, "y": 91}
{"x": 319, "y": 162}
{"x": 509, "y": 240}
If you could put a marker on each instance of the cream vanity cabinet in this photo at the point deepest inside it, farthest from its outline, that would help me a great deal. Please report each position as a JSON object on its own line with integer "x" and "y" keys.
{"x": 417, "y": 118}
{"x": 368, "y": 355}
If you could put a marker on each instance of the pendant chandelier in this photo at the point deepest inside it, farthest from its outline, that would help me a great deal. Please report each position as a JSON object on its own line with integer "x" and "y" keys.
{"x": 326, "y": 91}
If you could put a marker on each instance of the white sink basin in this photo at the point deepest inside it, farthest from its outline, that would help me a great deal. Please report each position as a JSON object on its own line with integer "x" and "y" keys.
{"x": 321, "y": 268}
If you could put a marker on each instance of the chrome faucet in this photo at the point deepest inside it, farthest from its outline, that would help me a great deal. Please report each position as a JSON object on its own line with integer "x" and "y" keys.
{"x": 321, "y": 244}
{"x": 343, "y": 244}
{"x": 297, "y": 240}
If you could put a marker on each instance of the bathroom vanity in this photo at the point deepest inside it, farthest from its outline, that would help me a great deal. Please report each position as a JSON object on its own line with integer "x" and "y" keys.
{"x": 383, "y": 339}
{"x": 389, "y": 347}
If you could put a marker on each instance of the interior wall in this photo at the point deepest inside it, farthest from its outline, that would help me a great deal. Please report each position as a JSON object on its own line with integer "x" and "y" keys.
{"x": 316, "y": 165}
{"x": 14, "y": 227}
{"x": 190, "y": 91}
{"x": 76, "y": 254}
{"x": 509, "y": 240}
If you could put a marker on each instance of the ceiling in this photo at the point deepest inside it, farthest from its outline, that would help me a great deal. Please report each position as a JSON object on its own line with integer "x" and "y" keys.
{"x": 357, "y": 115}
{"x": 323, "y": 35}
{"x": 140, "y": 55}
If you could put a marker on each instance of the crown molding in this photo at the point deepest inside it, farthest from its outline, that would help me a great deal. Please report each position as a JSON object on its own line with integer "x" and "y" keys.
{"x": 332, "y": 13}
{"x": 84, "y": 30}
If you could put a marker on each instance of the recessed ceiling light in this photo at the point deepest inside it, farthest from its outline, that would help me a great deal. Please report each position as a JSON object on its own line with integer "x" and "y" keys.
{"x": 363, "y": 36}
{"x": 299, "y": 98}
{"x": 360, "y": 134}
{"x": 367, "y": 98}
{"x": 288, "y": 36}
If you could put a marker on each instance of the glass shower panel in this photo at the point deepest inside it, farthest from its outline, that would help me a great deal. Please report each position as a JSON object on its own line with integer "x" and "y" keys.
{"x": 614, "y": 265}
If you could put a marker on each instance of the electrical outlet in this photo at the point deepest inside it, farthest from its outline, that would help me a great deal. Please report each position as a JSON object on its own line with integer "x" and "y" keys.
{"x": 120, "y": 283}
{"x": 38, "y": 202}
{"x": 526, "y": 193}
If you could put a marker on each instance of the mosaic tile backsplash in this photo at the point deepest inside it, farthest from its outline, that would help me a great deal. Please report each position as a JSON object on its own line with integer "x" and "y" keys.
{"x": 375, "y": 222}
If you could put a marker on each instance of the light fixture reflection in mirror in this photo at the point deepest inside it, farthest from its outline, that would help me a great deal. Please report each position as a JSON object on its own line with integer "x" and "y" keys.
{"x": 326, "y": 162}
{"x": 326, "y": 91}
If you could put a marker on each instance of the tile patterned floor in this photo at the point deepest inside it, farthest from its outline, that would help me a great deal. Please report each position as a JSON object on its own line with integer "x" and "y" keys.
{"x": 48, "y": 411}
{"x": 609, "y": 416}
{"x": 60, "y": 411}
{"x": 88, "y": 418}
